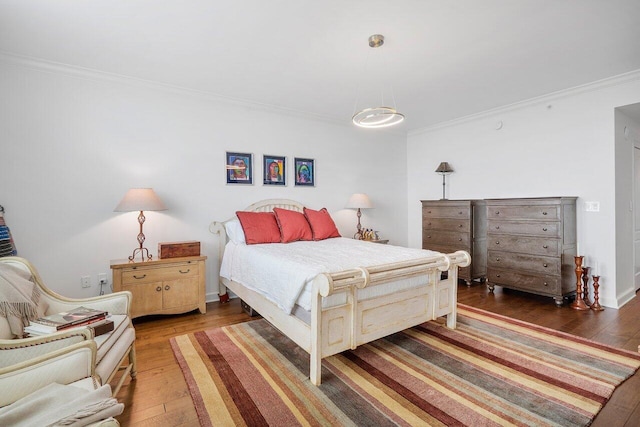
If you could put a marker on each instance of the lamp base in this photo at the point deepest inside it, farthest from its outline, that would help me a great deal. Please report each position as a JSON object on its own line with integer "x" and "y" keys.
{"x": 141, "y": 251}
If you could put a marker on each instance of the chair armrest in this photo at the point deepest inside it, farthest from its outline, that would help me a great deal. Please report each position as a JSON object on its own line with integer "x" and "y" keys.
{"x": 62, "y": 366}
{"x": 15, "y": 351}
{"x": 115, "y": 303}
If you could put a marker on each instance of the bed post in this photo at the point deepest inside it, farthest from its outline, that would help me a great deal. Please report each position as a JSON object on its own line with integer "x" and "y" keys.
{"x": 315, "y": 368}
{"x": 218, "y": 229}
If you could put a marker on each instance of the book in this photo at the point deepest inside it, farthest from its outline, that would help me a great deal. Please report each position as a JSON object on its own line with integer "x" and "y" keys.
{"x": 100, "y": 327}
{"x": 56, "y": 322}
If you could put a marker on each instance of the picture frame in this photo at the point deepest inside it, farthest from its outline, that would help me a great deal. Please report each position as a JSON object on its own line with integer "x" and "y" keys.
{"x": 239, "y": 168}
{"x": 304, "y": 170}
{"x": 274, "y": 170}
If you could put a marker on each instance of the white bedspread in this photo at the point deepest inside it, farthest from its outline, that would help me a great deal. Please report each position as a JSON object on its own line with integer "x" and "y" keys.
{"x": 280, "y": 271}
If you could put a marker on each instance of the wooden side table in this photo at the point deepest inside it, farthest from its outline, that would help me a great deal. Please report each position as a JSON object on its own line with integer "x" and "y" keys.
{"x": 163, "y": 286}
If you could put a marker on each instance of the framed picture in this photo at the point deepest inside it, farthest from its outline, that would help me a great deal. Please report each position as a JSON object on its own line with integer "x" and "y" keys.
{"x": 274, "y": 170}
{"x": 239, "y": 168}
{"x": 305, "y": 171}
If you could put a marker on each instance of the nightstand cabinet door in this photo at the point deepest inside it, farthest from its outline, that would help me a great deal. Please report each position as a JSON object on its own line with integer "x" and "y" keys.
{"x": 532, "y": 244}
{"x": 453, "y": 225}
{"x": 165, "y": 286}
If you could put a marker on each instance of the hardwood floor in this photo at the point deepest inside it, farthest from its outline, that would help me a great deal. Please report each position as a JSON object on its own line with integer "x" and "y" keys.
{"x": 159, "y": 395}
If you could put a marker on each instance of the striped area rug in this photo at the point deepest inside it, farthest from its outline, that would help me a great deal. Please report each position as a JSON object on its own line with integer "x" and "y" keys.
{"x": 491, "y": 370}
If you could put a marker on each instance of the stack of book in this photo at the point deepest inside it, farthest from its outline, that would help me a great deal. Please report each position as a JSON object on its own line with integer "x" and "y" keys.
{"x": 81, "y": 316}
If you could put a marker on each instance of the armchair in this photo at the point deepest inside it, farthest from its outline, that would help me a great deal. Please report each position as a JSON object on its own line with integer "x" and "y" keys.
{"x": 115, "y": 351}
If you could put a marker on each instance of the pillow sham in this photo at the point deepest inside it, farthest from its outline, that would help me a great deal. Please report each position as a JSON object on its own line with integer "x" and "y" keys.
{"x": 259, "y": 227}
{"x": 293, "y": 225}
{"x": 322, "y": 226}
{"x": 234, "y": 231}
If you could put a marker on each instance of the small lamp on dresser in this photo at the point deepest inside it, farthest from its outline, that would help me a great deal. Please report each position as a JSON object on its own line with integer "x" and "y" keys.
{"x": 445, "y": 169}
{"x": 140, "y": 199}
{"x": 359, "y": 201}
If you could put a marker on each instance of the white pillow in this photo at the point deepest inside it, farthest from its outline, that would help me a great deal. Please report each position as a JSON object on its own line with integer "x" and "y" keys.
{"x": 234, "y": 231}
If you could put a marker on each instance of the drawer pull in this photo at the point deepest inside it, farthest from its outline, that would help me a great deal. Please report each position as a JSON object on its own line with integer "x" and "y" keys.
{"x": 497, "y": 275}
{"x": 544, "y": 213}
{"x": 141, "y": 277}
{"x": 497, "y": 212}
{"x": 428, "y": 211}
{"x": 544, "y": 228}
{"x": 546, "y": 284}
{"x": 498, "y": 259}
{"x": 159, "y": 288}
{"x": 460, "y": 226}
{"x": 460, "y": 213}
{"x": 167, "y": 287}
{"x": 497, "y": 243}
{"x": 184, "y": 272}
{"x": 459, "y": 240}
{"x": 428, "y": 237}
{"x": 545, "y": 246}
{"x": 544, "y": 265}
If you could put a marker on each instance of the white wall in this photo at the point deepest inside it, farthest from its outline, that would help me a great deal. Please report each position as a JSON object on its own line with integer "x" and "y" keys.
{"x": 560, "y": 145}
{"x": 74, "y": 142}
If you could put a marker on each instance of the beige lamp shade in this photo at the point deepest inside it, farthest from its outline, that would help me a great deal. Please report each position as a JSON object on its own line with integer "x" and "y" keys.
{"x": 140, "y": 199}
{"x": 359, "y": 201}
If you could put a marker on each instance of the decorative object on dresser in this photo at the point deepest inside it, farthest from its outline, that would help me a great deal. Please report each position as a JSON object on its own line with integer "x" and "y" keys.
{"x": 453, "y": 225}
{"x": 140, "y": 199}
{"x": 165, "y": 286}
{"x": 359, "y": 201}
{"x": 178, "y": 249}
{"x": 445, "y": 169}
{"x": 532, "y": 245}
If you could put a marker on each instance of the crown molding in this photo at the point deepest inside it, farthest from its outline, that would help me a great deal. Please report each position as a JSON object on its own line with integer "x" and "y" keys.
{"x": 53, "y": 67}
{"x": 588, "y": 87}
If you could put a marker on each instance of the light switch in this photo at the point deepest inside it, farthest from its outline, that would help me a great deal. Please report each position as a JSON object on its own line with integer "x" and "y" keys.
{"x": 592, "y": 206}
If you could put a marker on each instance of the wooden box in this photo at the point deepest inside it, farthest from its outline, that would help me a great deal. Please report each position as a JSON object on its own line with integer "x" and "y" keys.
{"x": 178, "y": 249}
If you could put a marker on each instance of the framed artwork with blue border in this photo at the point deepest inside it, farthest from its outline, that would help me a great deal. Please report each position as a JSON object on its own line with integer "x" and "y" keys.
{"x": 304, "y": 170}
{"x": 239, "y": 168}
{"x": 274, "y": 170}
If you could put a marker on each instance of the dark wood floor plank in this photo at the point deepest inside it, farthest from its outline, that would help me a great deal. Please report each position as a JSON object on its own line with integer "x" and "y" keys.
{"x": 160, "y": 395}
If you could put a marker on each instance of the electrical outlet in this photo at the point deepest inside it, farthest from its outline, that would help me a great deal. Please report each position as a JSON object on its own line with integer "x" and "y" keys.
{"x": 85, "y": 281}
{"x": 102, "y": 279}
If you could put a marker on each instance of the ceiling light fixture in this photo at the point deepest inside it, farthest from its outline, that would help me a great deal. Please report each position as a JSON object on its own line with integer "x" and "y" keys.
{"x": 377, "y": 117}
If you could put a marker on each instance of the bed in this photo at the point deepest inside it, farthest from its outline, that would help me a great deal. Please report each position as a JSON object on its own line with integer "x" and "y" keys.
{"x": 345, "y": 309}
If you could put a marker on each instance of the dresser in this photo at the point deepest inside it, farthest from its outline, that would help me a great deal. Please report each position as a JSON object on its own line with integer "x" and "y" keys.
{"x": 454, "y": 225}
{"x": 532, "y": 244}
{"x": 163, "y": 286}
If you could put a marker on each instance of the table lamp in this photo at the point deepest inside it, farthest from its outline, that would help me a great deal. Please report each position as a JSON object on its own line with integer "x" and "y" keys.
{"x": 359, "y": 201}
{"x": 140, "y": 199}
{"x": 445, "y": 169}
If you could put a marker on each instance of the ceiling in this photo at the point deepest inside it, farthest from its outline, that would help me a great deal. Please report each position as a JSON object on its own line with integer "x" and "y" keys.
{"x": 443, "y": 59}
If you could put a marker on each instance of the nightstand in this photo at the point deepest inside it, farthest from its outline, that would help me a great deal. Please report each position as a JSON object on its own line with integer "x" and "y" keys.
{"x": 163, "y": 286}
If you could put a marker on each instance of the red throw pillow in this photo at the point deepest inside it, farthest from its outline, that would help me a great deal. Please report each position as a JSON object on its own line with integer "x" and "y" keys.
{"x": 322, "y": 226}
{"x": 259, "y": 227}
{"x": 293, "y": 225}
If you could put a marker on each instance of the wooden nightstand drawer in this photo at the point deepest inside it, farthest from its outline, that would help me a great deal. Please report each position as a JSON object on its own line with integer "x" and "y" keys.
{"x": 145, "y": 275}
{"x": 546, "y": 285}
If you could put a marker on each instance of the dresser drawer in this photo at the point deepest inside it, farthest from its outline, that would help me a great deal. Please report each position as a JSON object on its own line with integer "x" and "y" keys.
{"x": 526, "y": 282}
{"x": 528, "y": 228}
{"x": 524, "y": 262}
{"x": 532, "y": 212}
{"x": 445, "y": 238}
{"x": 445, "y": 212}
{"x": 525, "y": 244}
{"x": 159, "y": 274}
{"x": 449, "y": 224}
